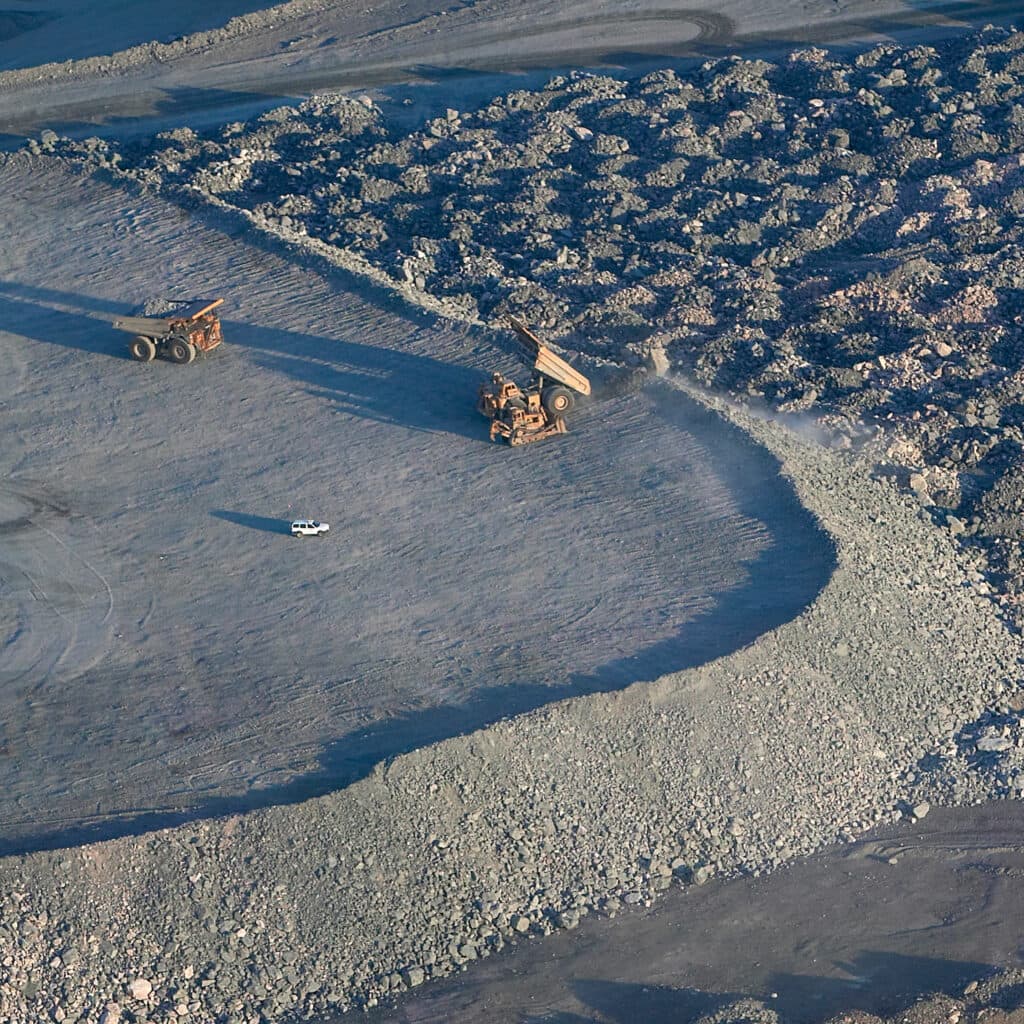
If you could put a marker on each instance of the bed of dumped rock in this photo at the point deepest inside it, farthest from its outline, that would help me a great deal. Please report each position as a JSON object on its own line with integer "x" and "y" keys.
{"x": 835, "y": 234}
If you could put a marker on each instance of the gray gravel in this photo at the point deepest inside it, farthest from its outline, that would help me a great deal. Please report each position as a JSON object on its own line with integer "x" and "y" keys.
{"x": 810, "y": 735}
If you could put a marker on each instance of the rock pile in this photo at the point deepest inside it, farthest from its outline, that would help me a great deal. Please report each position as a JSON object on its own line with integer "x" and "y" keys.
{"x": 821, "y": 233}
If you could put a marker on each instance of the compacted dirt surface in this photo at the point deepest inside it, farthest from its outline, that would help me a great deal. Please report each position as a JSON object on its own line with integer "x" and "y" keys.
{"x": 650, "y": 721}
{"x": 148, "y": 564}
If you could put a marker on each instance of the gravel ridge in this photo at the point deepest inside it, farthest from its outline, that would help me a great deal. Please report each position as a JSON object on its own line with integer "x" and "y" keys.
{"x": 812, "y": 734}
{"x": 155, "y": 52}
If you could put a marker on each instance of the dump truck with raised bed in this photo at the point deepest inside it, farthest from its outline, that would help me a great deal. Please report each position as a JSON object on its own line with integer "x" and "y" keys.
{"x": 192, "y": 329}
{"x": 538, "y": 410}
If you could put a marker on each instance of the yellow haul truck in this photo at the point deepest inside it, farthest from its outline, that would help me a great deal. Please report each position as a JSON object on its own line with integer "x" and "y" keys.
{"x": 531, "y": 413}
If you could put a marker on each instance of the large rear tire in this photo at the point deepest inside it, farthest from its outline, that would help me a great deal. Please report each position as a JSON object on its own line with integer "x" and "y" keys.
{"x": 557, "y": 401}
{"x": 180, "y": 351}
{"x": 142, "y": 348}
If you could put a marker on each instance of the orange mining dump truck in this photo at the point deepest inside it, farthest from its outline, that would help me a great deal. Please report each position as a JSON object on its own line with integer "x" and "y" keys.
{"x": 521, "y": 415}
{"x": 192, "y": 328}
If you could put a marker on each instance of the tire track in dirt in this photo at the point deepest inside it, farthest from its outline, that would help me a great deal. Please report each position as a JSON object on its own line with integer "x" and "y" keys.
{"x": 60, "y": 604}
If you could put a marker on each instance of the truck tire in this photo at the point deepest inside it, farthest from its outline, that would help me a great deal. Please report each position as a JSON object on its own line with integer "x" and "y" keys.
{"x": 180, "y": 351}
{"x": 557, "y": 401}
{"x": 142, "y": 348}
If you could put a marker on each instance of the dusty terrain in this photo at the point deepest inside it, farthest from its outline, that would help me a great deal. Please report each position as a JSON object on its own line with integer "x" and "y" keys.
{"x": 229, "y": 666}
{"x": 746, "y": 611}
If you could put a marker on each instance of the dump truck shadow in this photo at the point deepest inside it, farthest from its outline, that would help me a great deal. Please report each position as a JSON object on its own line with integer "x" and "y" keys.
{"x": 386, "y": 385}
{"x": 32, "y": 313}
{"x": 416, "y": 392}
{"x": 253, "y": 522}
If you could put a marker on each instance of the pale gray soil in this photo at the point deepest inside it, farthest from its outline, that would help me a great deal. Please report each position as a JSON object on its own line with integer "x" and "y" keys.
{"x": 147, "y": 561}
{"x": 773, "y": 635}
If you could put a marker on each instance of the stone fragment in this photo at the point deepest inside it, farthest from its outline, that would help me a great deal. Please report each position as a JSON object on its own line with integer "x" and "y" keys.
{"x": 413, "y": 976}
{"x": 140, "y": 988}
{"x": 111, "y": 1014}
{"x": 994, "y": 744}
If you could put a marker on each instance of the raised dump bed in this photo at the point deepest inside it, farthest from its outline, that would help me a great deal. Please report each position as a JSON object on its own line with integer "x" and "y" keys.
{"x": 531, "y": 413}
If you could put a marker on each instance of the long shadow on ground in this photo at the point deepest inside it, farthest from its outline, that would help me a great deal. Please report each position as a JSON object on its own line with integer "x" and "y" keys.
{"x": 878, "y": 983}
{"x": 250, "y": 521}
{"x": 421, "y": 393}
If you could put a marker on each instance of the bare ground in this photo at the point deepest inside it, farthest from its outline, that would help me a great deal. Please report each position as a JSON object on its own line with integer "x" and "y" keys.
{"x": 148, "y": 563}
